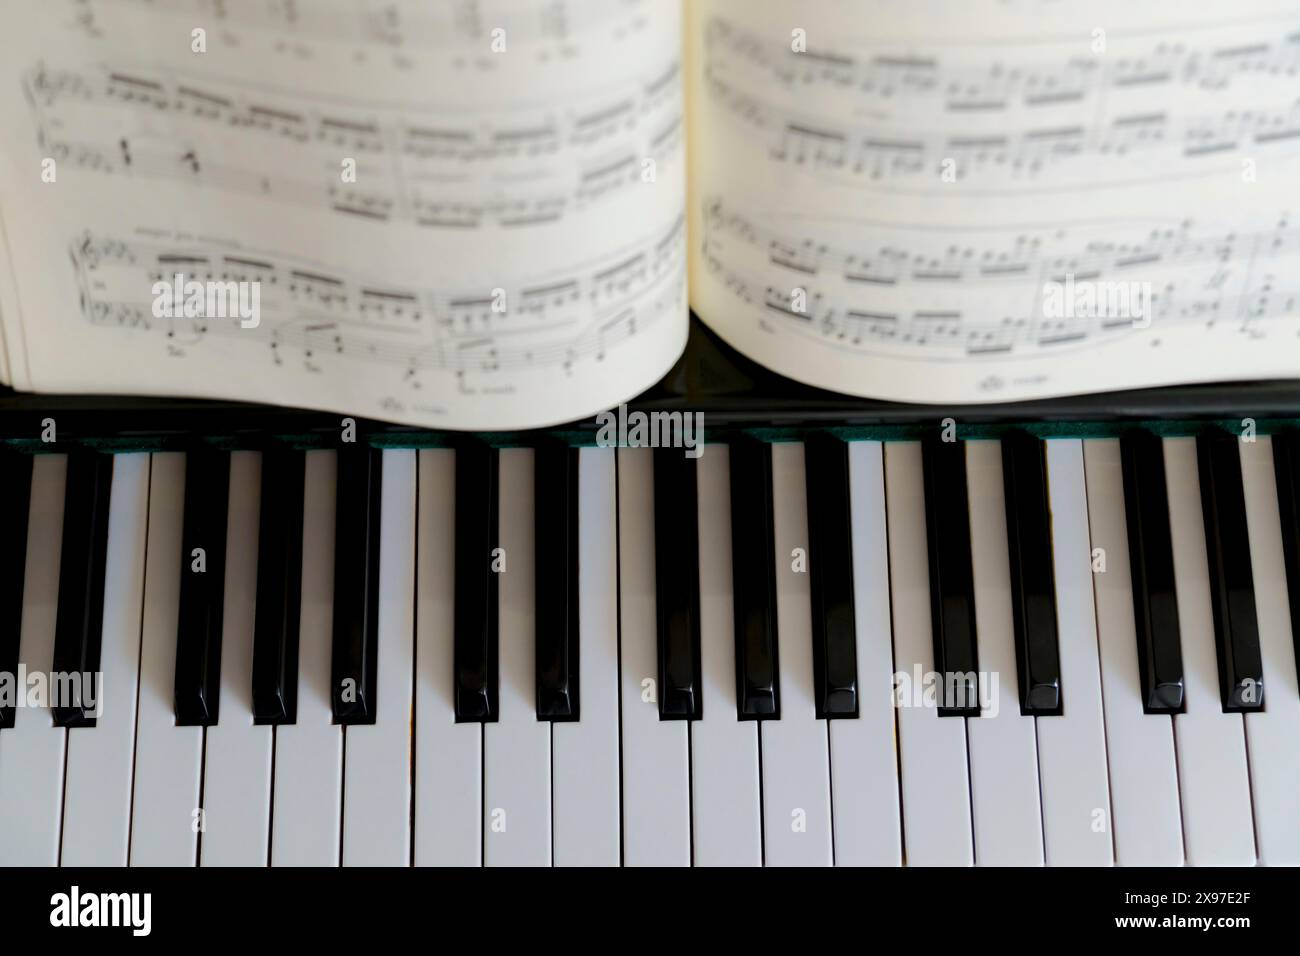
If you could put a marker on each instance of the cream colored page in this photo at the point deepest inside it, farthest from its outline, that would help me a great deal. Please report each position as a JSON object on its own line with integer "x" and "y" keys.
{"x": 6, "y": 281}
{"x": 986, "y": 200}
{"x": 12, "y": 370}
{"x": 6, "y": 375}
{"x": 465, "y": 215}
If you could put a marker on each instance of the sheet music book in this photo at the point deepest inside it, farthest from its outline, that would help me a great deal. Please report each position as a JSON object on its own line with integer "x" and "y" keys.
{"x": 497, "y": 214}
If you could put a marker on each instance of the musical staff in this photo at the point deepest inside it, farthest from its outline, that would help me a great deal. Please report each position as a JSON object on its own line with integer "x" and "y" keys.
{"x": 509, "y": 169}
{"x": 547, "y": 321}
{"x": 1146, "y": 142}
{"x": 1204, "y": 60}
{"x": 932, "y": 295}
{"x": 1021, "y": 253}
{"x": 1011, "y": 116}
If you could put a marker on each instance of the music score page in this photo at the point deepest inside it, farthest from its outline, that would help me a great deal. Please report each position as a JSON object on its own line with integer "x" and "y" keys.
{"x": 990, "y": 200}
{"x": 463, "y": 215}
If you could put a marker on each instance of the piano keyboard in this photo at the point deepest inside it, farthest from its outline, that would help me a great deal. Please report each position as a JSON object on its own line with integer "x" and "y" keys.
{"x": 560, "y": 656}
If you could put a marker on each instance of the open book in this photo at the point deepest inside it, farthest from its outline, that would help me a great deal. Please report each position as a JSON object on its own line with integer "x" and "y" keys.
{"x": 490, "y": 214}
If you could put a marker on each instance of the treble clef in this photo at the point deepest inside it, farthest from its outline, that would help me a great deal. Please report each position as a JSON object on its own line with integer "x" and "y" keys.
{"x": 88, "y": 252}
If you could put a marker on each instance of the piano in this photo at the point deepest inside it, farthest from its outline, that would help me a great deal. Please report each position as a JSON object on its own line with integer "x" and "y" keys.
{"x": 849, "y": 632}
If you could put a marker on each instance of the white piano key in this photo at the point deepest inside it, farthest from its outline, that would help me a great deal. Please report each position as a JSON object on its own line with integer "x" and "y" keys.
{"x": 1005, "y": 805}
{"x": 1272, "y": 734}
{"x": 796, "y": 749}
{"x": 517, "y": 748}
{"x": 1143, "y": 771}
{"x": 1218, "y": 826}
{"x": 307, "y": 780}
{"x": 237, "y": 752}
{"x": 864, "y": 755}
{"x": 448, "y": 755}
{"x": 377, "y": 764}
{"x": 584, "y": 753}
{"x": 1077, "y": 819}
{"x": 32, "y": 751}
{"x": 97, "y": 791}
{"x": 932, "y": 749}
{"x": 656, "y": 761}
{"x": 168, "y": 759}
{"x": 725, "y": 810}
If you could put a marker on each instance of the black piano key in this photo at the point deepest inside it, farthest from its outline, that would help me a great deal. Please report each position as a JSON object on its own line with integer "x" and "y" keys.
{"x": 79, "y": 619}
{"x": 556, "y": 568}
{"x": 279, "y": 587}
{"x": 1151, "y": 561}
{"x": 952, "y": 590}
{"x": 1286, "y": 469}
{"x": 353, "y": 690}
{"x": 15, "y": 500}
{"x": 677, "y": 585}
{"x": 476, "y": 611}
{"x": 830, "y": 562}
{"x": 753, "y": 572}
{"x": 1033, "y": 581}
{"x": 202, "y": 592}
{"x": 1232, "y": 581}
